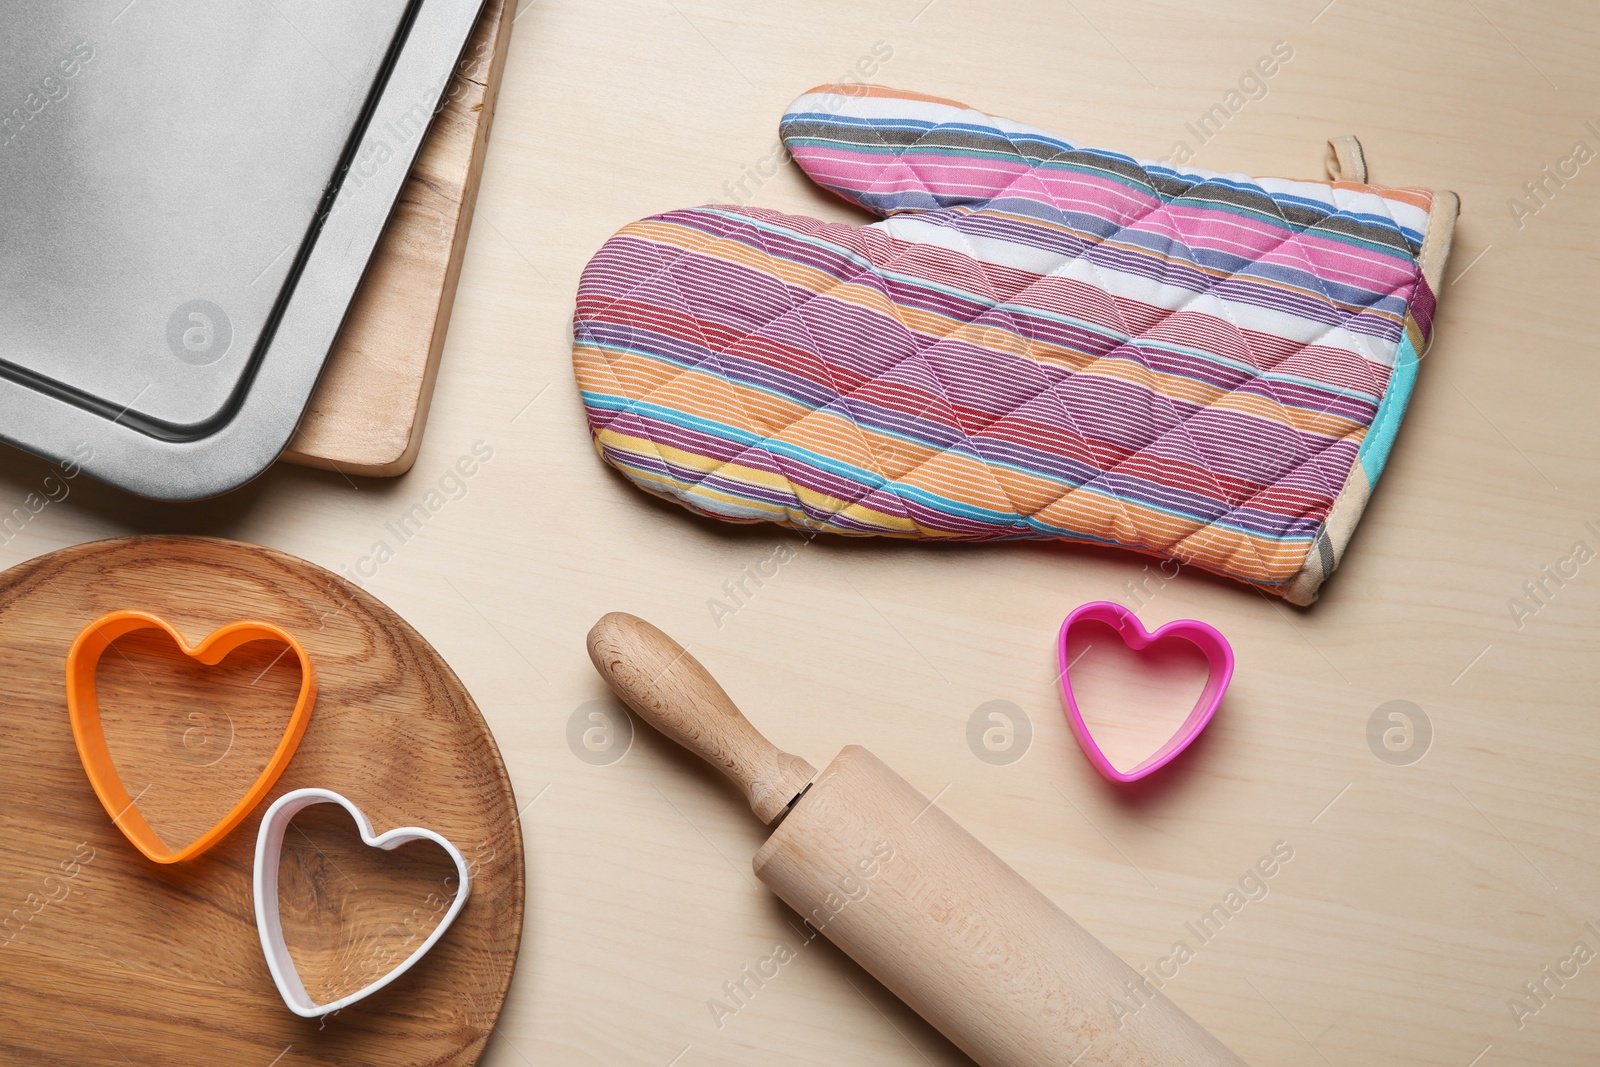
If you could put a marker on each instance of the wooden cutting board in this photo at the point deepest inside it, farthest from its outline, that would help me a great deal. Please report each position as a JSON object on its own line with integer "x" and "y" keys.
{"x": 367, "y": 413}
{"x": 108, "y": 958}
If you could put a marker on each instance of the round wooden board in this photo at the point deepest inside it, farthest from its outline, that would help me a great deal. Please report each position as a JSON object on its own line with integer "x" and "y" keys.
{"x": 108, "y": 958}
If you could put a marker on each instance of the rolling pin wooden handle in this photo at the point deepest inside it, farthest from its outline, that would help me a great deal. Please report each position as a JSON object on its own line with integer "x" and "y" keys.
{"x": 656, "y": 677}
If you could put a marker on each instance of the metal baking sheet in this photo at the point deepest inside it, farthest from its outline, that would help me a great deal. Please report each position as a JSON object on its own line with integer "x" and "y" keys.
{"x": 191, "y": 193}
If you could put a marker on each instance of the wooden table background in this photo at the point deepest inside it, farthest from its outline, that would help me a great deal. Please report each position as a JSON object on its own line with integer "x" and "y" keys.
{"x": 1420, "y": 898}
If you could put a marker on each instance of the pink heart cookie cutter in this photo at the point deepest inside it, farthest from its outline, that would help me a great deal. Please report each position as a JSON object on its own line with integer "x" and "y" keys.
{"x": 1210, "y": 642}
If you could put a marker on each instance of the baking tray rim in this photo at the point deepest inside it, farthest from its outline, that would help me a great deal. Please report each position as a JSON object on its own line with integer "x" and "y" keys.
{"x": 273, "y": 397}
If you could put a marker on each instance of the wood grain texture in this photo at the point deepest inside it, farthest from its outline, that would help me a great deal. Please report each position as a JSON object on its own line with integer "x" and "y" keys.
{"x": 370, "y": 406}
{"x": 107, "y": 958}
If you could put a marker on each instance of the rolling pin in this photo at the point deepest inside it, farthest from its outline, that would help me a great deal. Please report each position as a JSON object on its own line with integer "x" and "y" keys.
{"x": 908, "y": 894}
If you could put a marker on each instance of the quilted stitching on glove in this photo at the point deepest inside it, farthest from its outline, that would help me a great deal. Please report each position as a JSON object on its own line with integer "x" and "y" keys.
{"x": 1038, "y": 340}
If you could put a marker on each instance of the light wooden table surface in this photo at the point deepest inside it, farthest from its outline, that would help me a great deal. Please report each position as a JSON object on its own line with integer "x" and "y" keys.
{"x": 1420, "y": 898}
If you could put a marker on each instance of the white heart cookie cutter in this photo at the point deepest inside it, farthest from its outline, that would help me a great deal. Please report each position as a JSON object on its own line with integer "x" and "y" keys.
{"x": 269, "y": 851}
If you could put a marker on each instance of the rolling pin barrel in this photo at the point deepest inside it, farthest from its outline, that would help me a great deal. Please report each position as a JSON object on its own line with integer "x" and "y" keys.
{"x": 920, "y": 903}
{"x": 961, "y": 937}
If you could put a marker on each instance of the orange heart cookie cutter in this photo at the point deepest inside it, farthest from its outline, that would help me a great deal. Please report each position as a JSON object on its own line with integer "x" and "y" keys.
{"x": 83, "y": 708}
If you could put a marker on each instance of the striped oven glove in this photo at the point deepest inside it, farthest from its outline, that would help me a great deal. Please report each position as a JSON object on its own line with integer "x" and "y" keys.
{"x": 1038, "y": 340}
